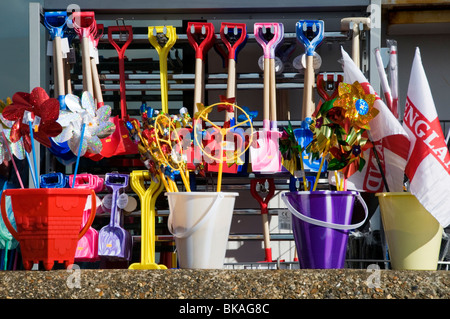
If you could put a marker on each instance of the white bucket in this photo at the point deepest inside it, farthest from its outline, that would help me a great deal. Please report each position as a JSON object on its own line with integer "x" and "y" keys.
{"x": 200, "y": 223}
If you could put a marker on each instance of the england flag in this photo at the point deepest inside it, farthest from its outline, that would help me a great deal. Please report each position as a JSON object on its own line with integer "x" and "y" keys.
{"x": 428, "y": 167}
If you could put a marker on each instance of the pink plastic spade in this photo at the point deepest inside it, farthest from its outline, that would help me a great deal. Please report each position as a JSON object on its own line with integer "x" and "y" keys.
{"x": 265, "y": 153}
{"x": 87, "y": 247}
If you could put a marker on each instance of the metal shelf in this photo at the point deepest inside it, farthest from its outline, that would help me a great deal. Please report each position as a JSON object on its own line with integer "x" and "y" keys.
{"x": 159, "y": 13}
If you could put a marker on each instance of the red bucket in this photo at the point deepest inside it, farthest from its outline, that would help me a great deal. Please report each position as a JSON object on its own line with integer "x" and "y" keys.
{"x": 48, "y": 223}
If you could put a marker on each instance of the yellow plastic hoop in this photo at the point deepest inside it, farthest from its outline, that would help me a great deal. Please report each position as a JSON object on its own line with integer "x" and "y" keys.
{"x": 203, "y": 115}
{"x": 181, "y": 167}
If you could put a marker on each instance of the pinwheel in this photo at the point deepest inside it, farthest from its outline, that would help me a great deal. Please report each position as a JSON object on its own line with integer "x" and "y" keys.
{"x": 8, "y": 148}
{"x": 290, "y": 149}
{"x": 34, "y": 115}
{"x": 357, "y": 106}
{"x": 83, "y": 113}
{"x": 43, "y": 111}
{"x": 340, "y": 129}
{"x": 251, "y": 115}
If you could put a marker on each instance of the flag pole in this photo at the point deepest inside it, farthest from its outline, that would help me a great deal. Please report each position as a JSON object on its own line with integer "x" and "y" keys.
{"x": 379, "y": 163}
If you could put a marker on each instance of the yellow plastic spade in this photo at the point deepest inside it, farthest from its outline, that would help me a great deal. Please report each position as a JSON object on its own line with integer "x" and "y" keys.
{"x": 148, "y": 199}
{"x": 163, "y": 38}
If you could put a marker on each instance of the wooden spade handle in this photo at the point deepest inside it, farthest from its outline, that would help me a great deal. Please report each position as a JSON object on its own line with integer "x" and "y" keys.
{"x": 96, "y": 82}
{"x": 198, "y": 86}
{"x": 308, "y": 101}
{"x": 355, "y": 45}
{"x": 231, "y": 85}
{"x": 59, "y": 72}
{"x": 266, "y": 112}
{"x": 87, "y": 73}
{"x": 273, "y": 92}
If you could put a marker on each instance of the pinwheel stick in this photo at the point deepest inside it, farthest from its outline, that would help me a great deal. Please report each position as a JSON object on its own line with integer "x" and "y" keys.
{"x": 31, "y": 169}
{"x": 83, "y": 127}
{"x": 318, "y": 172}
{"x": 302, "y": 167}
{"x": 12, "y": 160}
{"x": 338, "y": 187}
{"x": 36, "y": 170}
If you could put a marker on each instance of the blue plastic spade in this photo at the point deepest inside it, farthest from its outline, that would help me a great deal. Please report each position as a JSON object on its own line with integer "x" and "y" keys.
{"x": 56, "y": 23}
{"x": 54, "y": 180}
{"x": 310, "y": 34}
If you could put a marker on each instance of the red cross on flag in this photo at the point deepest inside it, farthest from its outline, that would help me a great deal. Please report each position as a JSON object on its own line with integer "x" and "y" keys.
{"x": 428, "y": 167}
{"x": 389, "y": 138}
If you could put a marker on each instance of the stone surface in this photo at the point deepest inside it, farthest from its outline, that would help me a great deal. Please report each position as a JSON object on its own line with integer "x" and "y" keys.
{"x": 224, "y": 284}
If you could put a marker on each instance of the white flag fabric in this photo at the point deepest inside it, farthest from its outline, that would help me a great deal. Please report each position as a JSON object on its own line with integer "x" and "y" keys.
{"x": 428, "y": 167}
{"x": 390, "y": 140}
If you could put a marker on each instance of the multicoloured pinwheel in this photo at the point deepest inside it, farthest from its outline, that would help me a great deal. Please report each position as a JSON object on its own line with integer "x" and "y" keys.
{"x": 83, "y": 111}
{"x": 340, "y": 129}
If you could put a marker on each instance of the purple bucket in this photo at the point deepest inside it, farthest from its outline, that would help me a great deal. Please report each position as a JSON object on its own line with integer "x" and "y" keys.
{"x": 321, "y": 221}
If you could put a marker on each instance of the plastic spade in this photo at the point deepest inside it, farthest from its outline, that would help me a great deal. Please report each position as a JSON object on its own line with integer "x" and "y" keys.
{"x": 268, "y": 186}
{"x": 356, "y": 25}
{"x": 163, "y": 38}
{"x": 56, "y": 22}
{"x": 202, "y": 38}
{"x": 120, "y": 143}
{"x": 310, "y": 34}
{"x": 54, "y": 180}
{"x": 114, "y": 241}
{"x": 95, "y": 78}
{"x": 96, "y": 82}
{"x": 327, "y": 85}
{"x": 265, "y": 155}
{"x": 87, "y": 247}
{"x": 148, "y": 198}
{"x": 85, "y": 25}
{"x": 128, "y": 30}
{"x": 234, "y": 37}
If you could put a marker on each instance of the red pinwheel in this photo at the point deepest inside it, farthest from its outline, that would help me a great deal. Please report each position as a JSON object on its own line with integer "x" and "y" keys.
{"x": 39, "y": 105}
{"x": 226, "y": 107}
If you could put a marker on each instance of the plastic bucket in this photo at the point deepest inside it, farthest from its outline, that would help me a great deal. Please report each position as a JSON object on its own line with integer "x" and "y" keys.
{"x": 48, "y": 223}
{"x": 200, "y": 223}
{"x": 413, "y": 235}
{"x": 321, "y": 221}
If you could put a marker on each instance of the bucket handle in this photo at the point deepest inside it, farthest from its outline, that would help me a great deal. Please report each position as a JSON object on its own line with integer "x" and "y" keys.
{"x": 326, "y": 224}
{"x": 8, "y": 225}
{"x": 194, "y": 228}
{"x": 16, "y": 235}
{"x": 91, "y": 216}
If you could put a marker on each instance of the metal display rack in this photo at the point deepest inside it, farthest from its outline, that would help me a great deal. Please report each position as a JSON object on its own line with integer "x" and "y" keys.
{"x": 142, "y": 64}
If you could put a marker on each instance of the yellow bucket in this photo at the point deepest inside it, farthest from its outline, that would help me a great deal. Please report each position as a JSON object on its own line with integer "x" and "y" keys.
{"x": 413, "y": 235}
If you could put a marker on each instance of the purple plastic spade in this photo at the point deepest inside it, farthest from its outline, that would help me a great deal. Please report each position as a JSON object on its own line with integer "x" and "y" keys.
{"x": 114, "y": 241}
